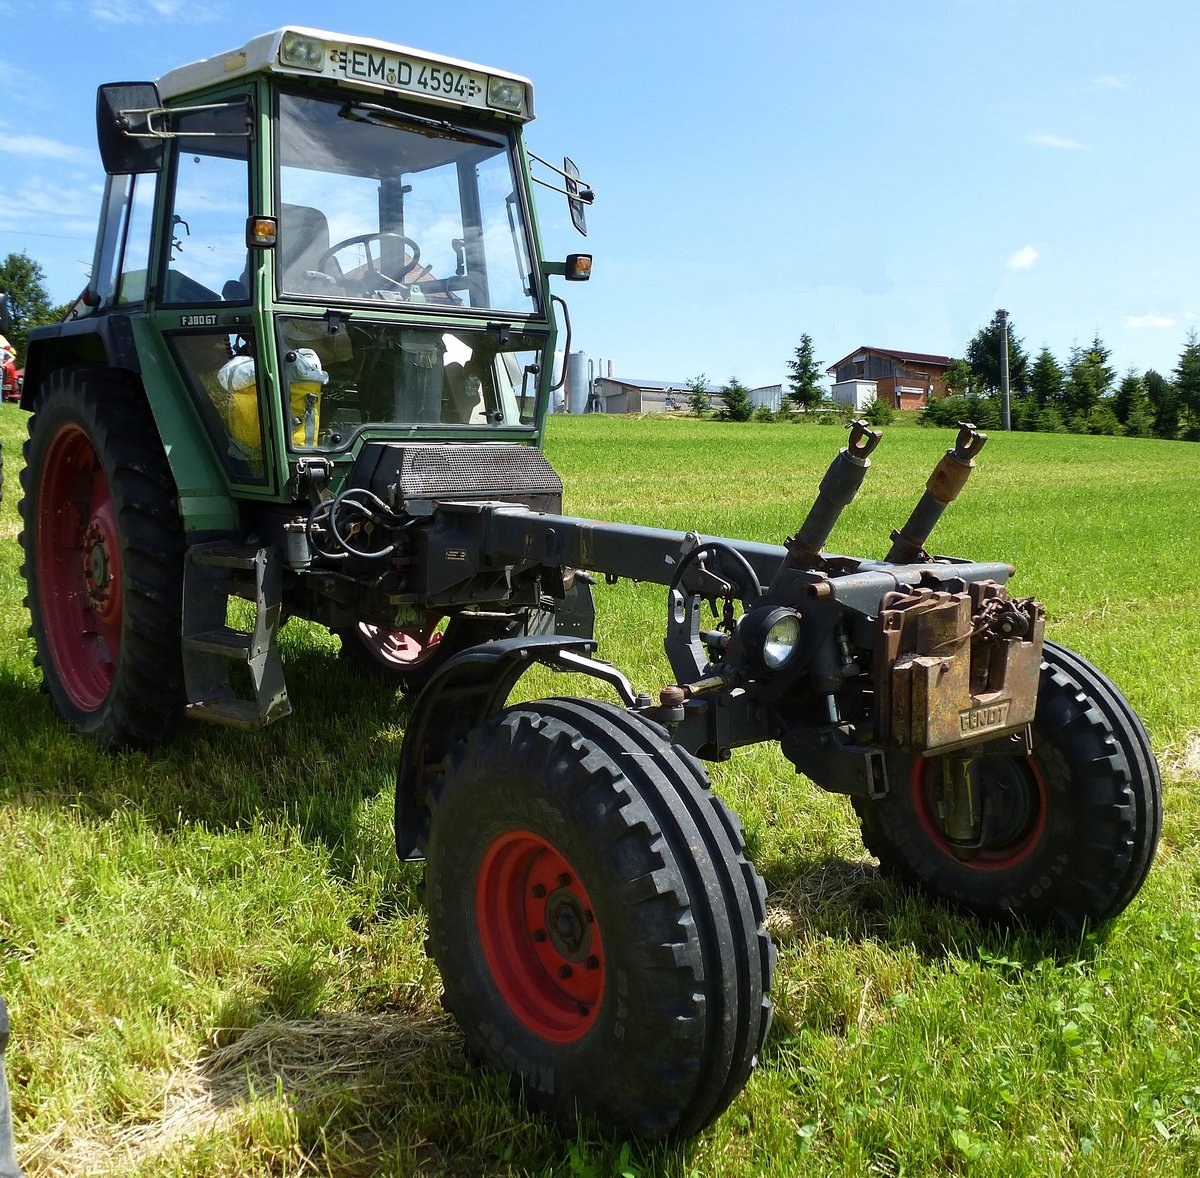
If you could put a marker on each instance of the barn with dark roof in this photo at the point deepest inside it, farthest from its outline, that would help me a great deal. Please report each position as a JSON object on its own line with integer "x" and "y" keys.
{"x": 905, "y": 380}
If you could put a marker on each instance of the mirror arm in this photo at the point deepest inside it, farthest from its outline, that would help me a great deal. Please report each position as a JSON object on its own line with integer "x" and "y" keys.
{"x": 150, "y": 113}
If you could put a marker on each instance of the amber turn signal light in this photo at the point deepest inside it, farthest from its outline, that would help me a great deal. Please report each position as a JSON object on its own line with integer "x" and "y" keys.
{"x": 579, "y": 267}
{"x": 262, "y": 232}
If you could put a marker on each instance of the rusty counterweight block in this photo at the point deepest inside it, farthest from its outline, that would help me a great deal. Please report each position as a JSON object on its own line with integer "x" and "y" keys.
{"x": 953, "y": 667}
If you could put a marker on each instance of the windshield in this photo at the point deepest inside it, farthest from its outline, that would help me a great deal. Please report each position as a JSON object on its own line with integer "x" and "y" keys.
{"x": 380, "y": 204}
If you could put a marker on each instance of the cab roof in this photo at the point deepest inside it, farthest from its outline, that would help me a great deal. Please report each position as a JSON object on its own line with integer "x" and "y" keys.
{"x": 358, "y": 62}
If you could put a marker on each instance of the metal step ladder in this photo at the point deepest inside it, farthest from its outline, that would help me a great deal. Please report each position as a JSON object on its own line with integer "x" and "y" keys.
{"x": 233, "y": 675}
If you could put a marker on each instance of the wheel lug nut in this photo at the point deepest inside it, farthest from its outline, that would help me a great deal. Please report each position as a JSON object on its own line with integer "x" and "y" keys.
{"x": 564, "y": 971}
{"x": 539, "y": 935}
{"x": 564, "y": 880}
{"x": 539, "y": 890}
{"x": 593, "y": 962}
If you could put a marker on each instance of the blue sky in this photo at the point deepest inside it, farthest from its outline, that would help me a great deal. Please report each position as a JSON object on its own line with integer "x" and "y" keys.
{"x": 866, "y": 171}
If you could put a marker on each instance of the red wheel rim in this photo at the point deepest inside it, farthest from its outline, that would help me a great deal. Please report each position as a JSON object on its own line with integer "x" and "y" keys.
{"x": 1014, "y": 785}
{"x": 79, "y": 568}
{"x": 540, "y": 937}
{"x": 402, "y": 648}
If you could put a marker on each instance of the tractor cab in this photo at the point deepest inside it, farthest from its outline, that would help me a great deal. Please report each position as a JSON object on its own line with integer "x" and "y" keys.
{"x": 334, "y": 241}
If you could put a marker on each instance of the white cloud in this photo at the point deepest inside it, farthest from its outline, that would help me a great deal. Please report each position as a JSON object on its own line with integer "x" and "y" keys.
{"x": 1139, "y": 321}
{"x": 1023, "y": 259}
{"x": 37, "y": 204}
{"x": 136, "y": 12}
{"x": 1057, "y": 141}
{"x": 1111, "y": 82}
{"x": 39, "y": 147}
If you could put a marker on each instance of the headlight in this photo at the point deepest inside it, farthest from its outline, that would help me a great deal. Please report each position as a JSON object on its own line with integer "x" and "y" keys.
{"x": 771, "y": 635}
{"x": 301, "y": 52}
{"x": 505, "y": 94}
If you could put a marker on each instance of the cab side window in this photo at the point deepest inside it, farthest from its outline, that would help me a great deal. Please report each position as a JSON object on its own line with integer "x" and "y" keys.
{"x": 123, "y": 246}
{"x": 135, "y": 259}
{"x": 207, "y": 257}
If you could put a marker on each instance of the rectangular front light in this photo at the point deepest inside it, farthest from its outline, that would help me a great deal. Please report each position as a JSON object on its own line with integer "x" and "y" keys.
{"x": 505, "y": 94}
{"x": 579, "y": 267}
{"x": 261, "y": 232}
{"x": 301, "y": 53}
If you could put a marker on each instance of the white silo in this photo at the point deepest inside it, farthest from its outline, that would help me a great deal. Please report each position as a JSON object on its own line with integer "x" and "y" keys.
{"x": 577, "y": 382}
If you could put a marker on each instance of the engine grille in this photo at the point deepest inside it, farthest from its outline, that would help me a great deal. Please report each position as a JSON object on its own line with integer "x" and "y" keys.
{"x": 400, "y": 473}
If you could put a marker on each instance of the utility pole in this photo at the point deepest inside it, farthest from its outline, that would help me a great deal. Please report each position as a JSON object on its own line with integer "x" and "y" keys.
{"x": 1005, "y": 413}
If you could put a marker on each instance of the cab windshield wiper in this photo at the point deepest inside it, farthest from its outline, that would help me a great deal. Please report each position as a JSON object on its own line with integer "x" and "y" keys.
{"x": 385, "y": 116}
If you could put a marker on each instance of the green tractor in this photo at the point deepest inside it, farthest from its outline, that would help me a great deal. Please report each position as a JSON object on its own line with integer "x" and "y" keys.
{"x": 311, "y": 370}
{"x": 307, "y": 246}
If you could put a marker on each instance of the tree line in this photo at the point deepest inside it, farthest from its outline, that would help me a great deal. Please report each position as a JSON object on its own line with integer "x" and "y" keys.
{"x": 805, "y": 391}
{"x": 1082, "y": 394}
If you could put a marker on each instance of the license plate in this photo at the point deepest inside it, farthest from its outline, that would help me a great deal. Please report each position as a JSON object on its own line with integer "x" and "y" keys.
{"x": 380, "y": 68}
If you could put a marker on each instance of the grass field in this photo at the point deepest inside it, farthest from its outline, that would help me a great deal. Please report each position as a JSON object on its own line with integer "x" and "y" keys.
{"x": 214, "y": 963}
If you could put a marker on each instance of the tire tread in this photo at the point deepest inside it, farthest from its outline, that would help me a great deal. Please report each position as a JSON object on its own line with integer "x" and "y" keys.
{"x": 146, "y": 699}
{"x": 704, "y": 957}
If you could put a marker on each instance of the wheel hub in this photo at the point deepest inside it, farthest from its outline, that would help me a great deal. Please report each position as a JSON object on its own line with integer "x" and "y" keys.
{"x": 567, "y": 925}
{"x": 989, "y": 813}
{"x": 97, "y": 568}
{"x": 540, "y": 936}
{"x": 402, "y": 648}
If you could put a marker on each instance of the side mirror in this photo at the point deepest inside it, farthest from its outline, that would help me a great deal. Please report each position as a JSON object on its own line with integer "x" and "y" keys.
{"x": 577, "y": 197}
{"x": 128, "y": 143}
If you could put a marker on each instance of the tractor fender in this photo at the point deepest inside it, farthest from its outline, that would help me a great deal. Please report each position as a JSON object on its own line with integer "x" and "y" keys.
{"x": 463, "y": 692}
{"x": 102, "y": 342}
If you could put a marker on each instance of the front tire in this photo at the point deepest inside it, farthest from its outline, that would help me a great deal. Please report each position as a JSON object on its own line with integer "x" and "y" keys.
{"x": 103, "y": 548}
{"x": 1068, "y": 833}
{"x": 597, "y": 927}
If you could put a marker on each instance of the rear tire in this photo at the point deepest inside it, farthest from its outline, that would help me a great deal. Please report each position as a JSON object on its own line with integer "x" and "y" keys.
{"x": 1073, "y": 827}
{"x": 103, "y": 548}
{"x": 597, "y": 927}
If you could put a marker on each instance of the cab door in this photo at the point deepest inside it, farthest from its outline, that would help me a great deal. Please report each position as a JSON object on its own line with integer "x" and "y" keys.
{"x": 203, "y": 303}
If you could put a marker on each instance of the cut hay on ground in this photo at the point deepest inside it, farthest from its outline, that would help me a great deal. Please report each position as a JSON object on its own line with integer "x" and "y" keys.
{"x": 1183, "y": 762}
{"x": 374, "y": 1057}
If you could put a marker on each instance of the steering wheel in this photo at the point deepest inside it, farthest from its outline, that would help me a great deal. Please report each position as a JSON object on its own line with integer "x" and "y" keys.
{"x": 374, "y": 265}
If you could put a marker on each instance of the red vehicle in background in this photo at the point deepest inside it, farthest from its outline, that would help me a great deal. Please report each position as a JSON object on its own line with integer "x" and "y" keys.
{"x": 12, "y": 379}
